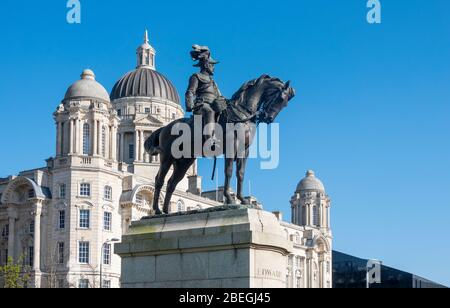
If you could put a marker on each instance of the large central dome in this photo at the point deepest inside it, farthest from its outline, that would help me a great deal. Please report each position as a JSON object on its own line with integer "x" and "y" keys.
{"x": 145, "y": 82}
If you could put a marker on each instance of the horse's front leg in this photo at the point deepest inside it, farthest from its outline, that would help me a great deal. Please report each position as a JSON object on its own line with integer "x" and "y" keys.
{"x": 228, "y": 175}
{"x": 240, "y": 174}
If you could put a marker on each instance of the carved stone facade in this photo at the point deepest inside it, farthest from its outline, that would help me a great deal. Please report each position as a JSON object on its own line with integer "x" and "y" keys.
{"x": 62, "y": 219}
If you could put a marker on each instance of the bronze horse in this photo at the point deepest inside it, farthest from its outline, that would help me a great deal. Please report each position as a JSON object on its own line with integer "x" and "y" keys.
{"x": 259, "y": 100}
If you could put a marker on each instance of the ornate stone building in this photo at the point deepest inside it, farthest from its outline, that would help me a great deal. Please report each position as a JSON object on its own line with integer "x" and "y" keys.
{"x": 62, "y": 219}
{"x": 310, "y": 266}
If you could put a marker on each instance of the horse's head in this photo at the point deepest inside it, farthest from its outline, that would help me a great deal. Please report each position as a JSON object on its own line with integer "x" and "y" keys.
{"x": 276, "y": 98}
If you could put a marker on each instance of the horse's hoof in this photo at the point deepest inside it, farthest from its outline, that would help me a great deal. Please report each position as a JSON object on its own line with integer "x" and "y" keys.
{"x": 243, "y": 201}
{"x": 158, "y": 212}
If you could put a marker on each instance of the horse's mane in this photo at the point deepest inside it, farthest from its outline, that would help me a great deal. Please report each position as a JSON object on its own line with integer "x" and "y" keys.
{"x": 238, "y": 97}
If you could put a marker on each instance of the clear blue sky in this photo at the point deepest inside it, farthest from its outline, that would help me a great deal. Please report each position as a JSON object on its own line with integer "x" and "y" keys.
{"x": 371, "y": 116}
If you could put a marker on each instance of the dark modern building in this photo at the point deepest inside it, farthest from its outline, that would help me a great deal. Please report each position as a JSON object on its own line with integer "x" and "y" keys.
{"x": 351, "y": 272}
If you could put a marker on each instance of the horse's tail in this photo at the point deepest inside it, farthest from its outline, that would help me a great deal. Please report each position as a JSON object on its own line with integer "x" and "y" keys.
{"x": 152, "y": 143}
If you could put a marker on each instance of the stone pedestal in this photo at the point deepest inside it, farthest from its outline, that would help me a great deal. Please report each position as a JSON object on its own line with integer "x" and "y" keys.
{"x": 226, "y": 247}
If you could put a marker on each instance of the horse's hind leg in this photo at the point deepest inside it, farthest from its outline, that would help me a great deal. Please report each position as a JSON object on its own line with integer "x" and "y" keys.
{"x": 228, "y": 174}
{"x": 179, "y": 171}
{"x": 166, "y": 163}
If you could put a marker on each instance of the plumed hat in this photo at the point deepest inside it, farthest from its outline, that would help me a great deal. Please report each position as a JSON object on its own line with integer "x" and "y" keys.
{"x": 203, "y": 55}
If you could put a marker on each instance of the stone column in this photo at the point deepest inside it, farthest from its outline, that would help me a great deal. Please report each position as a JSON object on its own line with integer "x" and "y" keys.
{"x": 71, "y": 137}
{"x": 308, "y": 272}
{"x": 80, "y": 137}
{"x": 58, "y": 138}
{"x": 74, "y": 136}
{"x": 322, "y": 272}
{"x": 122, "y": 147}
{"x": 303, "y": 267}
{"x": 328, "y": 218}
{"x": 136, "y": 146}
{"x": 94, "y": 137}
{"x": 37, "y": 211}
{"x": 99, "y": 138}
{"x": 110, "y": 143}
{"x": 113, "y": 153}
{"x": 308, "y": 214}
{"x": 12, "y": 217}
{"x": 141, "y": 158}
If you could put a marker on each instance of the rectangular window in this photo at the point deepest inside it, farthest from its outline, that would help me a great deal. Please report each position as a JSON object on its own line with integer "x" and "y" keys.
{"x": 85, "y": 190}
{"x": 107, "y": 254}
{"x": 107, "y": 221}
{"x": 315, "y": 216}
{"x": 106, "y": 284}
{"x": 119, "y": 112}
{"x": 147, "y": 110}
{"x": 60, "y": 253}
{"x": 30, "y": 256}
{"x": 83, "y": 252}
{"x": 131, "y": 151}
{"x": 62, "y": 191}
{"x": 83, "y": 284}
{"x": 62, "y": 220}
{"x": 85, "y": 219}
{"x": 108, "y": 193}
{"x": 86, "y": 139}
{"x": 30, "y": 194}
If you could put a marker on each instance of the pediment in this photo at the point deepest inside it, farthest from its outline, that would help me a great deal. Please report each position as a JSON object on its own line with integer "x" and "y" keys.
{"x": 148, "y": 120}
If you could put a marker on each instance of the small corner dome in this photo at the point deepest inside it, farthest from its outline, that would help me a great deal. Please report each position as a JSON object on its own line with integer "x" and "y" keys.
{"x": 310, "y": 182}
{"x": 87, "y": 87}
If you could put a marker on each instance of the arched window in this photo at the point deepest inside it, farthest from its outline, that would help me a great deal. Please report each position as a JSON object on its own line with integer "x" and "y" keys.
{"x": 104, "y": 141}
{"x": 316, "y": 216}
{"x": 180, "y": 206}
{"x": 86, "y": 139}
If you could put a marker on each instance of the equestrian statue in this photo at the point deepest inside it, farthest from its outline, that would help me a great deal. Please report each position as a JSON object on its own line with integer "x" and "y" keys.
{"x": 257, "y": 101}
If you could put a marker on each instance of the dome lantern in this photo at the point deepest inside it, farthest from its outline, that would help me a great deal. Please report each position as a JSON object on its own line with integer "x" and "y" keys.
{"x": 146, "y": 54}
